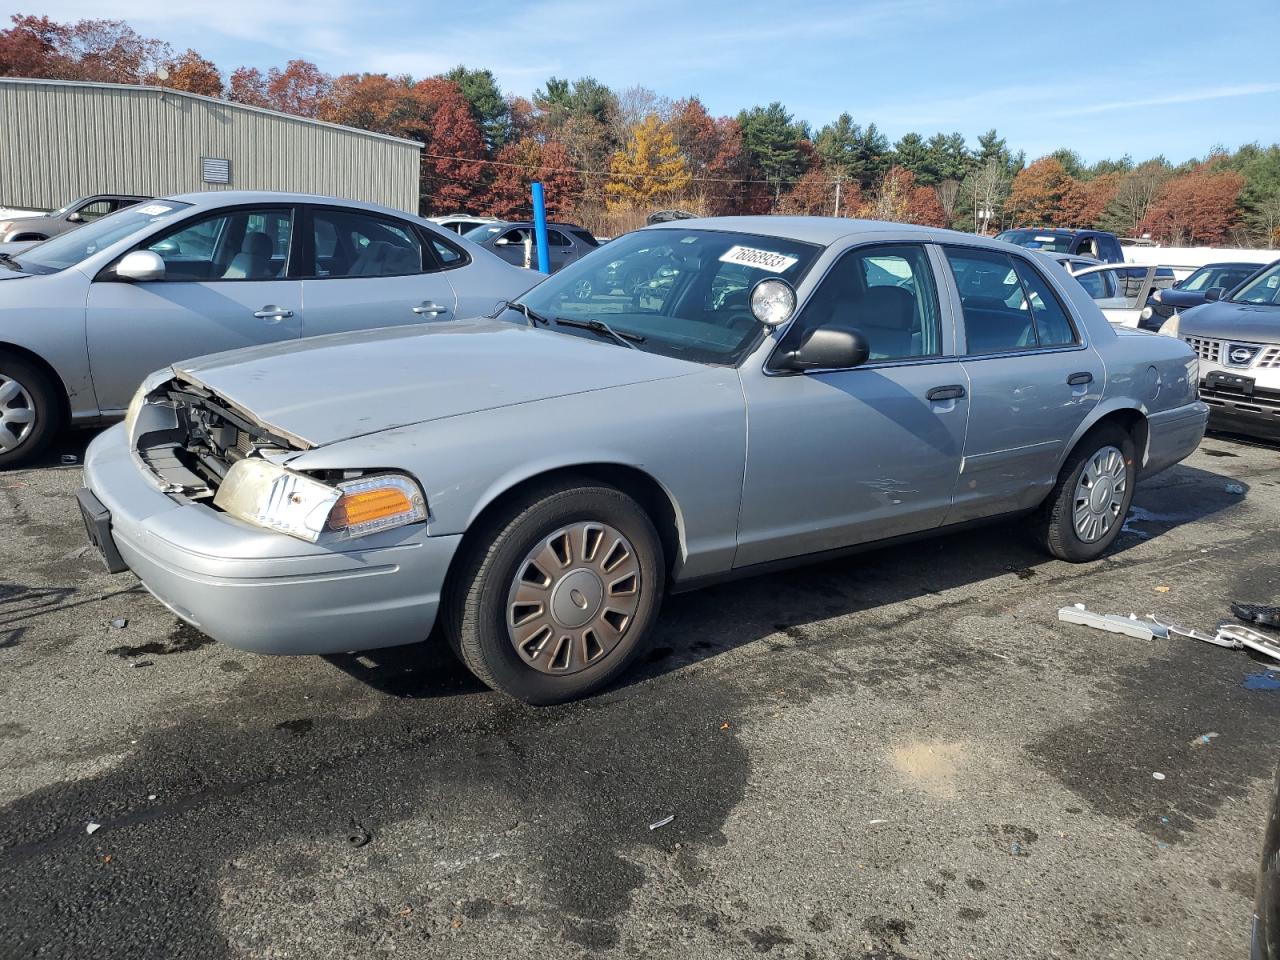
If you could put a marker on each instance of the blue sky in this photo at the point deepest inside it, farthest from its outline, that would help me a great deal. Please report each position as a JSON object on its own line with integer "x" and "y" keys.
{"x": 1105, "y": 78}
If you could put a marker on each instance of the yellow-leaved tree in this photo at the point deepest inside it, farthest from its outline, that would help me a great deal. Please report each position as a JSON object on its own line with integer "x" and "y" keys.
{"x": 649, "y": 170}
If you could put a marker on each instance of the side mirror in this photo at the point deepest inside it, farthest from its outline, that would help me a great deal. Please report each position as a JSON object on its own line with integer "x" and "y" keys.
{"x": 140, "y": 265}
{"x": 502, "y": 242}
{"x": 1215, "y": 293}
{"x": 828, "y": 348}
{"x": 74, "y": 218}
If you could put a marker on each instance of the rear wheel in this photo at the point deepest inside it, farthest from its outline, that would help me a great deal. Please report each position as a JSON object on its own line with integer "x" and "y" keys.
{"x": 1083, "y": 515}
{"x": 29, "y": 410}
{"x": 557, "y": 595}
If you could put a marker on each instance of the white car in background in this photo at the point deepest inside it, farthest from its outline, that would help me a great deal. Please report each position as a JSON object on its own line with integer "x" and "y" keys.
{"x": 461, "y": 222}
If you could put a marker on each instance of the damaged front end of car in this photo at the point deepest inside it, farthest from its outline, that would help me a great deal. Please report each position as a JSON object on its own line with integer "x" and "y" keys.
{"x": 197, "y": 446}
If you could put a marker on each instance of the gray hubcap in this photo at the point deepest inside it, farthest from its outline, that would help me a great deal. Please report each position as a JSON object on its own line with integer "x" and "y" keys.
{"x": 573, "y": 599}
{"x": 17, "y": 414}
{"x": 1100, "y": 494}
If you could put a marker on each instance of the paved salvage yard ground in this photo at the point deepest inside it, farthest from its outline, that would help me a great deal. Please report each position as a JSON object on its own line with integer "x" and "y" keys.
{"x": 899, "y": 755}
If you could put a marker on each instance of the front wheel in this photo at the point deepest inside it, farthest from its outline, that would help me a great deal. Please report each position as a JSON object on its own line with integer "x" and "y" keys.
{"x": 29, "y": 410}
{"x": 1084, "y": 514}
{"x": 557, "y": 595}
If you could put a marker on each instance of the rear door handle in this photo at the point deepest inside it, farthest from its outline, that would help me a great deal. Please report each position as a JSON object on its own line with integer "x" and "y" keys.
{"x": 429, "y": 309}
{"x": 272, "y": 312}
{"x": 952, "y": 391}
{"x": 1079, "y": 379}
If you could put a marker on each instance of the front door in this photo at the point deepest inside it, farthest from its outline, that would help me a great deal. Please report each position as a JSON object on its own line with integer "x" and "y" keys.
{"x": 841, "y": 457}
{"x": 226, "y": 286}
{"x": 370, "y": 270}
{"x": 1032, "y": 380}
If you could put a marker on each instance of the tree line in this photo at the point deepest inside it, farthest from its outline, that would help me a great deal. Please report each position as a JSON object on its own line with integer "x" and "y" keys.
{"x": 608, "y": 158}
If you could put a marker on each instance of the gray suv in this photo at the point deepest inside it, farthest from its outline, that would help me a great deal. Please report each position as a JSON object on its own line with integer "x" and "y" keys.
{"x": 74, "y": 214}
{"x": 566, "y": 242}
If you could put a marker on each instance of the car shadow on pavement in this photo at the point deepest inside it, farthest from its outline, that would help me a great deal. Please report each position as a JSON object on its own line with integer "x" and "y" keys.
{"x": 907, "y": 581}
{"x": 705, "y": 623}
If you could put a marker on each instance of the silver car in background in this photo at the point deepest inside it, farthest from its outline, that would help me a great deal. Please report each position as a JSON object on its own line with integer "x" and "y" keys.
{"x": 534, "y": 483}
{"x": 86, "y": 315}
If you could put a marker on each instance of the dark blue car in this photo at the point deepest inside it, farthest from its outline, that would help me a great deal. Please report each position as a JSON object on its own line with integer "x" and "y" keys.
{"x": 1084, "y": 243}
{"x": 1221, "y": 278}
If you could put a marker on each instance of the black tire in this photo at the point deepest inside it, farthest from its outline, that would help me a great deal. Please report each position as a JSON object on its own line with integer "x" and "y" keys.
{"x": 43, "y": 400}
{"x": 1055, "y": 522}
{"x": 475, "y": 602}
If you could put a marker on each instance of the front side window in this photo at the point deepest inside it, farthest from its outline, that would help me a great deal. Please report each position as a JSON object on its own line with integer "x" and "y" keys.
{"x": 693, "y": 304}
{"x": 71, "y": 248}
{"x": 235, "y": 245}
{"x": 1096, "y": 285}
{"x": 353, "y": 244}
{"x": 95, "y": 210}
{"x": 1263, "y": 289}
{"x": 1003, "y": 304}
{"x": 886, "y": 293}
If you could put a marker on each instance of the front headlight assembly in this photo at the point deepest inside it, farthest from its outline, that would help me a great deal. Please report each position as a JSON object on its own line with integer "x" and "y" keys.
{"x": 271, "y": 496}
{"x": 1170, "y": 327}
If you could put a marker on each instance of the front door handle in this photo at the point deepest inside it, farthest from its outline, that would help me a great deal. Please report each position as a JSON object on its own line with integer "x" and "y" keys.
{"x": 429, "y": 309}
{"x": 273, "y": 313}
{"x": 1079, "y": 379}
{"x": 952, "y": 391}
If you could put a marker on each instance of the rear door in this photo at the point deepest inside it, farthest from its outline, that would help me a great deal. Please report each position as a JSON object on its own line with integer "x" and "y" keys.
{"x": 1032, "y": 377}
{"x": 227, "y": 285}
{"x": 366, "y": 270}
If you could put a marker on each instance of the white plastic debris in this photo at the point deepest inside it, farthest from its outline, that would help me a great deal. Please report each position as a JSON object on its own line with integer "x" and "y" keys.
{"x": 1157, "y": 776}
{"x": 91, "y": 828}
{"x": 1130, "y": 626}
{"x": 661, "y": 823}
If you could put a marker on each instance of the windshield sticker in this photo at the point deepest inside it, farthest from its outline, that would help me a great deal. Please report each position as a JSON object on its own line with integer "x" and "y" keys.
{"x": 760, "y": 259}
{"x": 1273, "y": 282}
{"x": 1044, "y": 239}
{"x": 155, "y": 209}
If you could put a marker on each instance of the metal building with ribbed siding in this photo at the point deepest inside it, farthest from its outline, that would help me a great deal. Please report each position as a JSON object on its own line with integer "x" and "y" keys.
{"x": 64, "y": 139}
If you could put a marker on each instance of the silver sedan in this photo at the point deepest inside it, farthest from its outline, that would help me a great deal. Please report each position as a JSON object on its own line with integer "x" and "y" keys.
{"x": 86, "y": 315}
{"x": 788, "y": 389}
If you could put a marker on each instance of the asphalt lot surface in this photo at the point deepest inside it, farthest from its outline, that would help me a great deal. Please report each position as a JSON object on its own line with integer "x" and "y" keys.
{"x": 899, "y": 755}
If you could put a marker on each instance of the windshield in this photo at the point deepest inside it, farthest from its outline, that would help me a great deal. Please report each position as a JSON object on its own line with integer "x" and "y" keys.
{"x": 68, "y": 249}
{"x": 1265, "y": 288}
{"x": 1227, "y": 277}
{"x": 687, "y": 297}
{"x": 1037, "y": 240}
{"x": 482, "y": 233}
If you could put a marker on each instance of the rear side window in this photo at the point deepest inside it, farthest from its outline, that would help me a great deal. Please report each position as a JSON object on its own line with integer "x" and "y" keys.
{"x": 1053, "y": 326}
{"x": 586, "y": 238}
{"x": 1006, "y": 307}
{"x": 351, "y": 243}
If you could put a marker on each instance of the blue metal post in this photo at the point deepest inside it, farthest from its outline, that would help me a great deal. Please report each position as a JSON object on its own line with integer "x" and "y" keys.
{"x": 540, "y": 229}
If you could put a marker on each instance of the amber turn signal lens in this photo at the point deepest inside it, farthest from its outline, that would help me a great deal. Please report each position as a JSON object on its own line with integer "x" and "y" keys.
{"x": 367, "y": 506}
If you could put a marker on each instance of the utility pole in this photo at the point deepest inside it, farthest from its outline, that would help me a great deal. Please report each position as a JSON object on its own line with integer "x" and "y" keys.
{"x": 838, "y": 180}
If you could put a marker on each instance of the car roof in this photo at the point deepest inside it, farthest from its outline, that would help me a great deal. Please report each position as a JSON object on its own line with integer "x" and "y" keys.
{"x": 213, "y": 199}
{"x": 822, "y": 230}
{"x": 1064, "y": 231}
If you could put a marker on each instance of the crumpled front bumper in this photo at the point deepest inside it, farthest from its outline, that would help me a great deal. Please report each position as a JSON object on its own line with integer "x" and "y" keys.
{"x": 263, "y": 591}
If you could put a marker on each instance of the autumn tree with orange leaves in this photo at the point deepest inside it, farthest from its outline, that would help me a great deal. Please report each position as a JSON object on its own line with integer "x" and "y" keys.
{"x": 1198, "y": 207}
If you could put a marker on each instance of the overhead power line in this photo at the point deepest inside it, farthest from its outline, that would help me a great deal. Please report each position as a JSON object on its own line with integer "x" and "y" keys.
{"x": 635, "y": 176}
